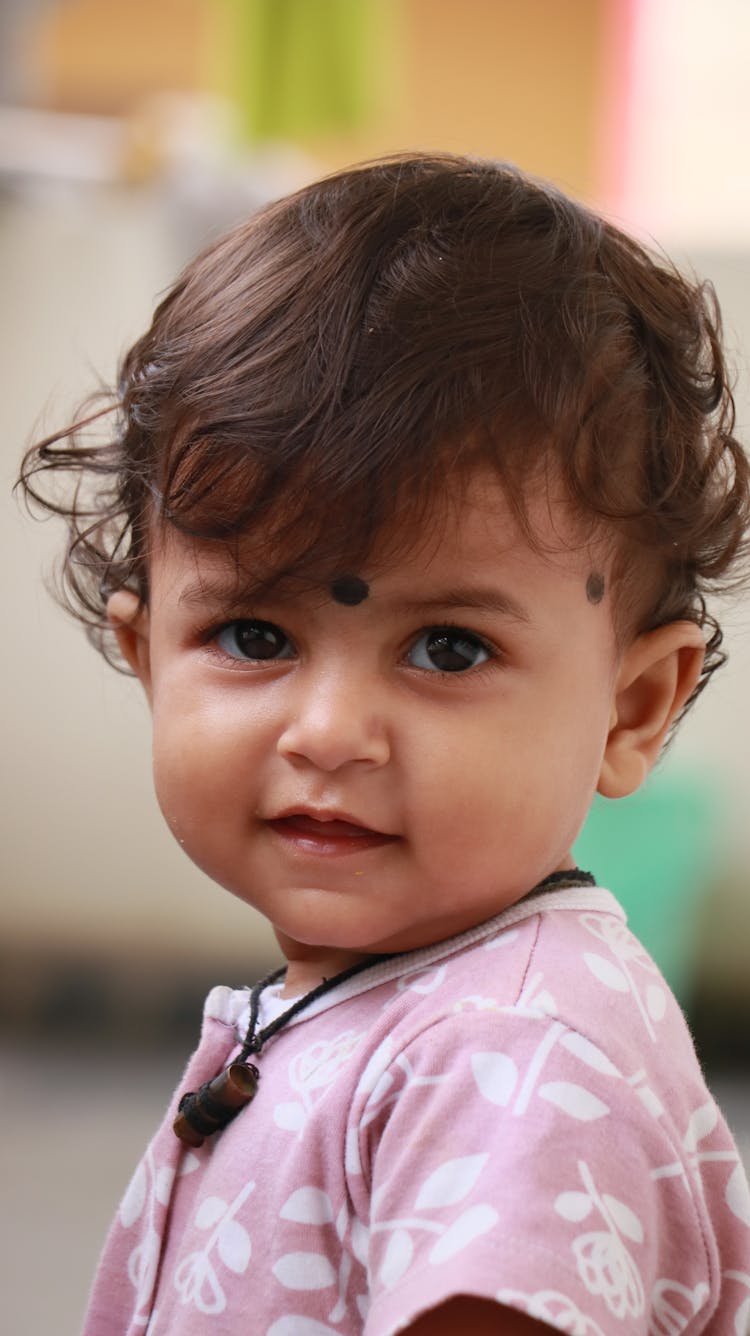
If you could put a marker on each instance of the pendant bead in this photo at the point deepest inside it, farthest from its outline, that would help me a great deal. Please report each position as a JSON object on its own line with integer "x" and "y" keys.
{"x": 216, "y": 1103}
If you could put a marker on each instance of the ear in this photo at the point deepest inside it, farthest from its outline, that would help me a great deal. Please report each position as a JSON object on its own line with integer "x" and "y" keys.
{"x": 657, "y": 674}
{"x": 128, "y": 618}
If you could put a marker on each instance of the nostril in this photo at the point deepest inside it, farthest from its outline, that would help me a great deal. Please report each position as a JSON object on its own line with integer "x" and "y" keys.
{"x": 334, "y": 742}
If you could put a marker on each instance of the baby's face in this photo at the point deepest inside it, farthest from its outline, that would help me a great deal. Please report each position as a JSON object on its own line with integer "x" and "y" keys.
{"x": 377, "y": 775}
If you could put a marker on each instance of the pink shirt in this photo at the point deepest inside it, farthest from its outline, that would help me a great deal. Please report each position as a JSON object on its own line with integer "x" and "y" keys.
{"x": 517, "y": 1113}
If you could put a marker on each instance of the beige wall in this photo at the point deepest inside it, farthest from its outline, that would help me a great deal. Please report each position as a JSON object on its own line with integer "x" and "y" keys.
{"x": 102, "y": 56}
{"x": 496, "y": 78}
{"x": 522, "y": 81}
{"x": 86, "y": 865}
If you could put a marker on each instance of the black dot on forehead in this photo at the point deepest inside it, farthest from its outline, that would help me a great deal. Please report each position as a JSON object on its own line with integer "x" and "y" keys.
{"x": 595, "y": 587}
{"x": 349, "y": 589}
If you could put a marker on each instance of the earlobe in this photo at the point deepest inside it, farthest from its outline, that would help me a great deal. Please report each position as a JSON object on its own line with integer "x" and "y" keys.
{"x": 128, "y": 618}
{"x": 657, "y": 675}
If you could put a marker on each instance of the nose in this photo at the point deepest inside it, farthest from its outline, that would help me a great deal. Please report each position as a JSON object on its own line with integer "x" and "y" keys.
{"x": 335, "y": 721}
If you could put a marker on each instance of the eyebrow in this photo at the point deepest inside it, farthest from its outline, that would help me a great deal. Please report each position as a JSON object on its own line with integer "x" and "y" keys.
{"x": 225, "y": 594}
{"x": 476, "y": 598}
{"x": 473, "y": 597}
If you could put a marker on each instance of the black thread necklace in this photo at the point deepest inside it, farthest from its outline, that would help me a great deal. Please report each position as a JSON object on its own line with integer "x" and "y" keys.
{"x": 218, "y": 1101}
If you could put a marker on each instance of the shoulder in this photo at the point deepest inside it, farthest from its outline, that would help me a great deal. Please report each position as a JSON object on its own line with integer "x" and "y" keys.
{"x": 565, "y": 1007}
{"x": 577, "y": 962}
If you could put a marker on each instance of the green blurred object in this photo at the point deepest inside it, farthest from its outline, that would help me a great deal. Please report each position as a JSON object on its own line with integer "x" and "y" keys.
{"x": 303, "y": 67}
{"x": 656, "y": 851}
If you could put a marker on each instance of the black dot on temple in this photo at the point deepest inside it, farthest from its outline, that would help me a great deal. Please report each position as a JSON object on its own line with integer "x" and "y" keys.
{"x": 349, "y": 589}
{"x": 595, "y": 587}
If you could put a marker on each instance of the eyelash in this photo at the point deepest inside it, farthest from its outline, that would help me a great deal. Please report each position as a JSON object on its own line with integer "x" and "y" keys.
{"x": 210, "y": 640}
{"x": 493, "y": 654}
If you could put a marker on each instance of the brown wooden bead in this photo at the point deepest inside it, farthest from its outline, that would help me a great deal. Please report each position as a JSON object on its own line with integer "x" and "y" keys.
{"x": 215, "y": 1104}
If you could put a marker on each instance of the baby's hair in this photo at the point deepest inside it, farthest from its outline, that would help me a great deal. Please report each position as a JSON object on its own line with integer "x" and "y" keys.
{"x": 362, "y": 346}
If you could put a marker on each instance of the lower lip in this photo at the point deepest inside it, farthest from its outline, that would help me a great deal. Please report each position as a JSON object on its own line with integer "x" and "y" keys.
{"x": 328, "y": 844}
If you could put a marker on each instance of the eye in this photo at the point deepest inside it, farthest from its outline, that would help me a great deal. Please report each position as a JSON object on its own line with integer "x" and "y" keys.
{"x": 448, "y": 649}
{"x": 248, "y": 639}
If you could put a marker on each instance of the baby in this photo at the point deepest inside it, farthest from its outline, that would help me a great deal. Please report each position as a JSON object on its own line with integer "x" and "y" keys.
{"x": 418, "y": 484}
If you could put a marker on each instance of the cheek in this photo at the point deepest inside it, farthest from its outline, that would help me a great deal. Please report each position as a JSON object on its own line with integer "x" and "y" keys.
{"x": 179, "y": 789}
{"x": 191, "y": 759}
{"x": 210, "y": 751}
{"x": 509, "y": 774}
{"x": 461, "y": 778}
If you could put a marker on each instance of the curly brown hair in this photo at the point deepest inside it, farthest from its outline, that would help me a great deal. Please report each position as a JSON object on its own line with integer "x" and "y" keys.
{"x": 366, "y": 342}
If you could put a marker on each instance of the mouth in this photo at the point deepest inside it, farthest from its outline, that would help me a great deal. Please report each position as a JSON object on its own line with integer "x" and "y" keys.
{"x": 327, "y": 833}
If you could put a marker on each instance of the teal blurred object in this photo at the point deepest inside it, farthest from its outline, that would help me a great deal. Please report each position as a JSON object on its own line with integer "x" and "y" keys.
{"x": 657, "y": 851}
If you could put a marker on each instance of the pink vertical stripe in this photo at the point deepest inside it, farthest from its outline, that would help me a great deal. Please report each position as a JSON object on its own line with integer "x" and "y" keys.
{"x": 620, "y": 22}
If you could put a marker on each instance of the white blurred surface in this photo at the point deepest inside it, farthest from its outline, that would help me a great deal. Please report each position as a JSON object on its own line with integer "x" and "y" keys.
{"x": 684, "y": 178}
{"x": 86, "y": 861}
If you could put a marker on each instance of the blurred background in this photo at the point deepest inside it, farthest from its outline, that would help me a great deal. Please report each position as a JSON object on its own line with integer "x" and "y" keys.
{"x": 132, "y": 131}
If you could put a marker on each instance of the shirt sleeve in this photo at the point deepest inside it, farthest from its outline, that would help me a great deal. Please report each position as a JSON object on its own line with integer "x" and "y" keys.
{"x": 509, "y": 1159}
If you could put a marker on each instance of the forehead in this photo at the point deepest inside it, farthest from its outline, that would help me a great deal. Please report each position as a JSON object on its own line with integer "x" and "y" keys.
{"x": 472, "y": 530}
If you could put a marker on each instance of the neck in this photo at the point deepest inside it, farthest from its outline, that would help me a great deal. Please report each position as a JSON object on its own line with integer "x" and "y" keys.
{"x": 306, "y": 969}
{"x": 309, "y": 966}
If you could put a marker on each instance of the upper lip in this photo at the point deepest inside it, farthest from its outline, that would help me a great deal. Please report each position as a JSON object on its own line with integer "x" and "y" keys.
{"x": 323, "y": 815}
